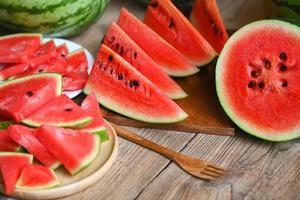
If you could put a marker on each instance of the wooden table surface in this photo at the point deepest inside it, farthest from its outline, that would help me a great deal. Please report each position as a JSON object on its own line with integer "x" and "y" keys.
{"x": 257, "y": 169}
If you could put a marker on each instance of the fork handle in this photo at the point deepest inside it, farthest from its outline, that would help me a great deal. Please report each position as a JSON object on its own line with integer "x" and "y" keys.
{"x": 124, "y": 133}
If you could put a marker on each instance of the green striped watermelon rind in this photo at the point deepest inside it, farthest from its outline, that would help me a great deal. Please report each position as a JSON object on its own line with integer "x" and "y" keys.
{"x": 5, "y": 124}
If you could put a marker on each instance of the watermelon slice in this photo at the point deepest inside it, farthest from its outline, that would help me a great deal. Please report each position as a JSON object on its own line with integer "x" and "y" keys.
{"x": 208, "y": 21}
{"x": 36, "y": 177}
{"x": 76, "y": 73}
{"x": 119, "y": 41}
{"x": 258, "y": 79}
{"x": 11, "y": 165}
{"x": 166, "y": 20}
{"x": 43, "y": 54}
{"x": 61, "y": 111}
{"x": 6, "y": 143}
{"x": 62, "y": 50}
{"x": 90, "y": 105}
{"x": 26, "y": 138}
{"x": 74, "y": 149}
{"x": 20, "y": 97}
{"x": 166, "y": 56}
{"x": 19, "y": 47}
{"x": 13, "y": 69}
{"x": 121, "y": 88}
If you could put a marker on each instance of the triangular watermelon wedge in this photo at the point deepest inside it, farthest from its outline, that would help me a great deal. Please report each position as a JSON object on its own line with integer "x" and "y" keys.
{"x": 43, "y": 54}
{"x": 20, "y": 97}
{"x": 61, "y": 111}
{"x": 36, "y": 177}
{"x": 62, "y": 50}
{"x": 7, "y": 143}
{"x": 11, "y": 165}
{"x": 97, "y": 126}
{"x": 73, "y": 148}
{"x": 12, "y": 70}
{"x": 26, "y": 137}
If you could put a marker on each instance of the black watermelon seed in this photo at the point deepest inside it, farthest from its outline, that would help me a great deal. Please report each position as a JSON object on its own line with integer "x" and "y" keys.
{"x": 135, "y": 54}
{"x": 283, "y": 56}
{"x": 41, "y": 70}
{"x": 117, "y": 47}
{"x": 283, "y": 68}
{"x": 255, "y": 73}
{"x": 110, "y": 58}
{"x": 134, "y": 83}
{"x": 68, "y": 109}
{"x": 121, "y": 50}
{"x": 111, "y": 71}
{"x": 29, "y": 93}
{"x": 153, "y": 4}
{"x": 284, "y": 83}
{"x": 251, "y": 84}
{"x": 171, "y": 24}
{"x": 261, "y": 85}
{"x": 267, "y": 64}
{"x": 120, "y": 77}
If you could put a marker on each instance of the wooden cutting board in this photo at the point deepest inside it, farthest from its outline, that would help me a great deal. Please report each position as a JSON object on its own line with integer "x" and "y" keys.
{"x": 205, "y": 113}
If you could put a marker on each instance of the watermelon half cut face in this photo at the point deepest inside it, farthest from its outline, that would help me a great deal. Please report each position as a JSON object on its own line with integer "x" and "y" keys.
{"x": 258, "y": 79}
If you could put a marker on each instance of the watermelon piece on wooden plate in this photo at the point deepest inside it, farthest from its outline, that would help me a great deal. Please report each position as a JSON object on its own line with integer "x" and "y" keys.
{"x": 76, "y": 71}
{"x": 166, "y": 56}
{"x": 7, "y": 143}
{"x": 36, "y": 177}
{"x": 121, "y": 88}
{"x": 19, "y": 47}
{"x": 208, "y": 21}
{"x": 43, "y": 54}
{"x": 74, "y": 149}
{"x": 11, "y": 165}
{"x": 91, "y": 106}
{"x": 26, "y": 137}
{"x": 20, "y": 97}
{"x": 166, "y": 20}
{"x": 121, "y": 43}
{"x": 61, "y": 111}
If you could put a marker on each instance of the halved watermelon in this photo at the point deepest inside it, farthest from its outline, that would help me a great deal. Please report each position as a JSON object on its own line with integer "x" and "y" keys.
{"x": 7, "y": 143}
{"x": 166, "y": 20}
{"x": 76, "y": 71}
{"x": 73, "y": 148}
{"x": 19, "y": 47}
{"x": 258, "y": 79}
{"x": 119, "y": 41}
{"x": 208, "y": 21}
{"x": 25, "y": 137}
{"x": 61, "y": 111}
{"x": 20, "y": 97}
{"x": 121, "y": 88}
{"x": 166, "y": 56}
{"x": 43, "y": 54}
{"x": 36, "y": 177}
{"x": 91, "y": 107}
{"x": 11, "y": 165}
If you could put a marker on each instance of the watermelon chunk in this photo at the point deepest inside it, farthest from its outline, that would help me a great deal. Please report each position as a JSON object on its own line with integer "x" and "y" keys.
{"x": 26, "y": 137}
{"x": 166, "y": 20}
{"x": 166, "y": 56}
{"x": 13, "y": 69}
{"x": 19, "y": 47}
{"x": 121, "y": 88}
{"x": 97, "y": 126}
{"x": 62, "y": 50}
{"x": 11, "y": 165}
{"x": 20, "y": 97}
{"x": 7, "y": 143}
{"x": 208, "y": 21}
{"x": 34, "y": 177}
{"x": 73, "y": 148}
{"x": 43, "y": 54}
{"x": 119, "y": 41}
{"x": 61, "y": 111}
{"x": 76, "y": 73}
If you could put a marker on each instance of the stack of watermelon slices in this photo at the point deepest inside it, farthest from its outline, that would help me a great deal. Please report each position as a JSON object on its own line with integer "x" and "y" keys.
{"x": 131, "y": 74}
{"x": 60, "y": 132}
{"x": 25, "y": 54}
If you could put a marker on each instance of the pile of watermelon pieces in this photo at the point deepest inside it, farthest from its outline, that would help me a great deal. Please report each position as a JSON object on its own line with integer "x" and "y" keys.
{"x": 38, "y": 121}
{"x": 131, "y": 74}
{"x": 26, "y": 54}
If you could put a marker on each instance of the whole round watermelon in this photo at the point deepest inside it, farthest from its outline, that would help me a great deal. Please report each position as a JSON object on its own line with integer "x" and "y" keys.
{"x": 59, "y": 18}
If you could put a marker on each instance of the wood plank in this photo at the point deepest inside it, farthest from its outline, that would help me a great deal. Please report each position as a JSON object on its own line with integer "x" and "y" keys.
{"x": 257, "y": 170}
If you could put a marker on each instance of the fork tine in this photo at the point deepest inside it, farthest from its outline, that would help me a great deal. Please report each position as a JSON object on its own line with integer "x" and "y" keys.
{"x": 205, "y": 176}
{"x": 222, "y": 170}
{"x": 214, "y": 170}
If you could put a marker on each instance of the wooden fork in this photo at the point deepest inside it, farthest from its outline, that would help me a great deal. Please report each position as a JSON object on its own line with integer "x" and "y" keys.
{"x": 196, "y": 167}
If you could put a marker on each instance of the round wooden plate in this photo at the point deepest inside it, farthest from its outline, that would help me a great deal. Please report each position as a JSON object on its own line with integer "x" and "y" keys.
{"x": 87, "y": 177}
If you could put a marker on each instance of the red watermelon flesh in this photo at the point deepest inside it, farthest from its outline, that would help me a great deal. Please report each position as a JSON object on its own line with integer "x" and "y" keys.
{"x": 62, "y": 50}
{"x": 121, "y": 88}
{"x": 61, "y": 111}
{"x": 119, "y": 41}
{"x": 43, "y": 54}
{"x": 35, "y": 176}
{"x": 20, "y": 97}
{"x": 208, "y": 21}
{"x": 26, "y": 137}
{"x": 11, "y": 165}
{"x": 76, "y": 71}
{"x": 74, "y": 149}
{"x": 13, "y": 69}
{"x": 19, "y": 47}
{"x": 166, "y": 56}
{"x": 166, "y": 20}
{"x": 7, "y": 143}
